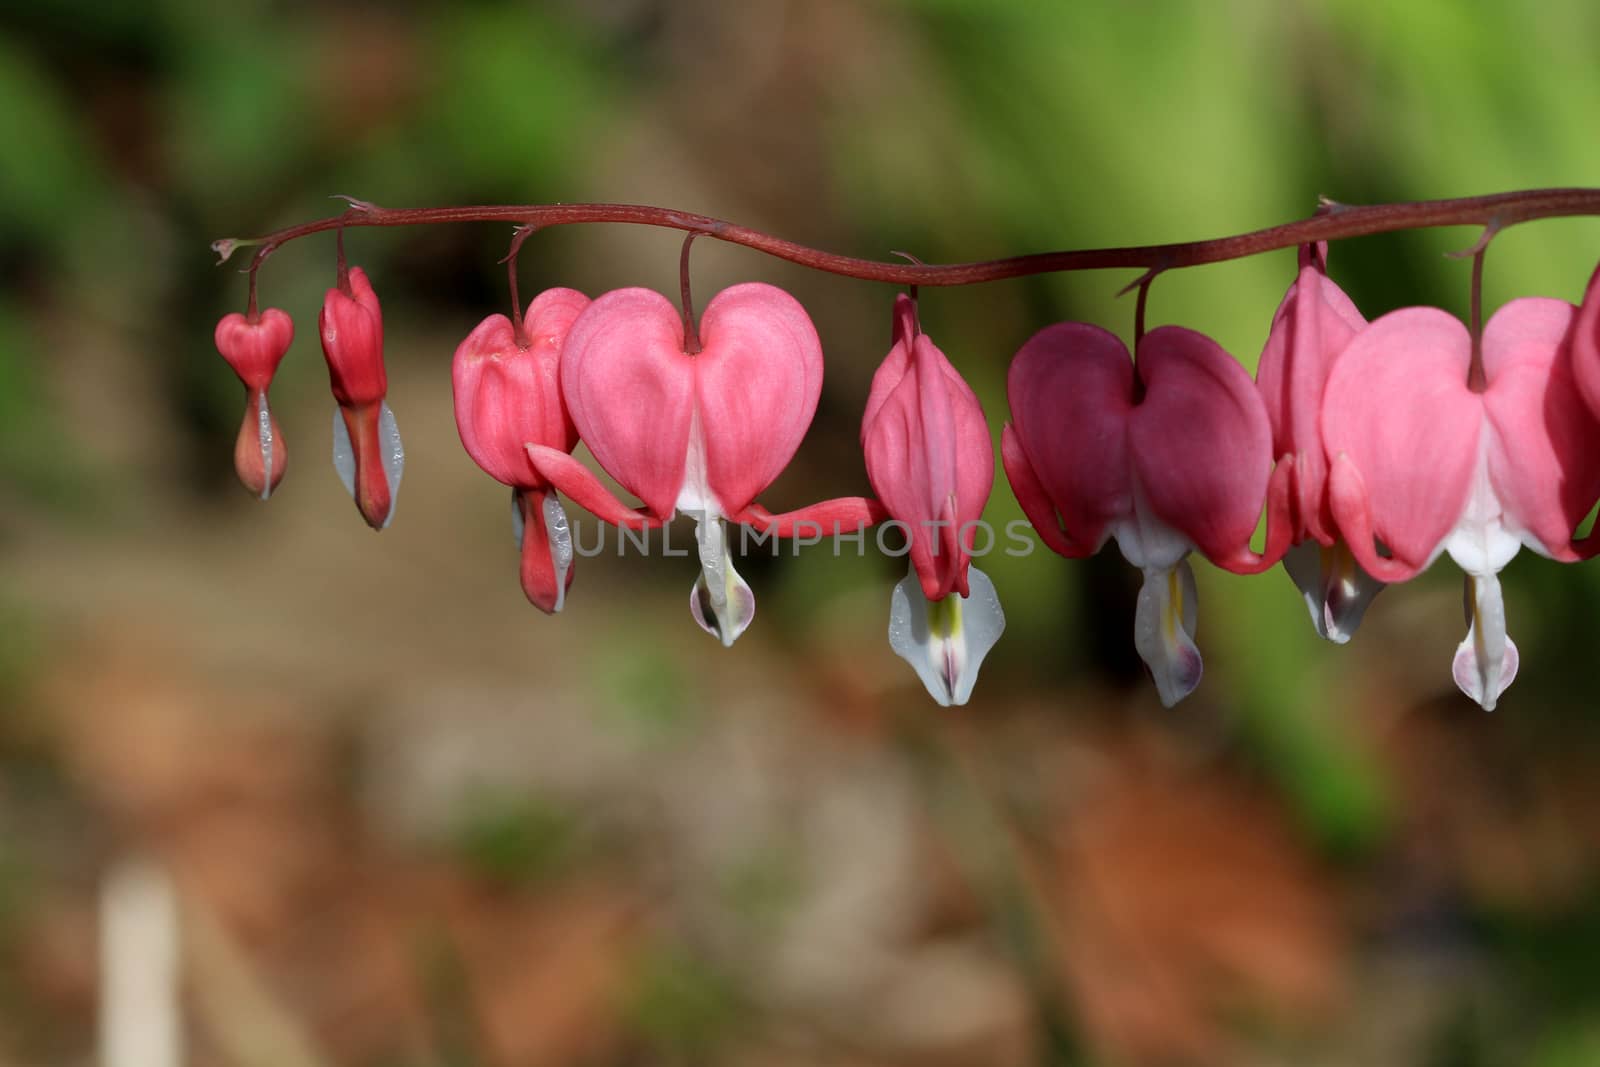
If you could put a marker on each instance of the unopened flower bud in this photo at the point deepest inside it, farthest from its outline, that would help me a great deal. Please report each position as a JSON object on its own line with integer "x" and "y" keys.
{"x": 366, "y": 443}
{"x": 254, "y": 350}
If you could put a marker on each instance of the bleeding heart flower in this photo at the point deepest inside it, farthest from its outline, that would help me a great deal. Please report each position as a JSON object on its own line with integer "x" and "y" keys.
{"x": 254, "y": 347}
{"x": 1311, "y": 328}
{"x": 366, "y": 442}
{"x": 1166, "y": 456}
{"x": 702, "y": 432}
{"x": 931, "y": 462}
{"x": 508, "y": 395}
{"x": 1427, "y": 465}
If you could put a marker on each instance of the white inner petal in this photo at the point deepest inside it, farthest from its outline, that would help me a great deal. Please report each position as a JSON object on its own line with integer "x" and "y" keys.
{"x": 394, "y": 457}
{"x": 695, "y": 494}
{"x": 1486, "y": 661}
{"x": 721, "y": 601}
{"x": 946, "y": 642}
{"x": 344, "y": 455}
{"x": 559, "y": 536}
{"x": 1335, "y": 589}
{"x": 264, "y": 432}
{"x": 1145, "y": 540}
{"x": 1163, "y": 630}
{"x": 1482, "y": 542}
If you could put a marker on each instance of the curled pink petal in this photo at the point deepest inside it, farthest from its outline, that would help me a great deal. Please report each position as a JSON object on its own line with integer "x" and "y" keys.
{"x": 559, "y": 469}
{"x": 841, "y": 515}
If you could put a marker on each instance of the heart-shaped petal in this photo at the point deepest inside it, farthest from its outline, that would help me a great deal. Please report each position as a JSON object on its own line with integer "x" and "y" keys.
{"x": 1544, "y": 448}
{"x": 1070, "y": 388}
{"x": 1200, "y": 443}
{"x": 1398, "y": 410}
{"x": 758, "y": 376}
{"x": 254, "y": 349}
{"x": 629, "y": 388}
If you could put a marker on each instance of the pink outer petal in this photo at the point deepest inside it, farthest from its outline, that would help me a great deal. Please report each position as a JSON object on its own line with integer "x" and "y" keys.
{"x": 1200, "y": 443}
{"x": 352, "y": 341}
{"x": 1035, "y": 503}
{"x": 629, "y": 388}
{"x": 579, "y": 483}
{"x": 930, "y": 459}
{"x": 1312, "y": 326}
{"x": 544, "y": 588}
{"x": 1544, "y": 451}
{"x": 1586, "y": 345}
{"x": 758, "y": 377}
{"x": 1398, "y": 408}
{"x": 1070, "y": 388}
{"x": 896, "y": 364}
{"x": 254, "y": 349}
{"x": 507, "y": 396}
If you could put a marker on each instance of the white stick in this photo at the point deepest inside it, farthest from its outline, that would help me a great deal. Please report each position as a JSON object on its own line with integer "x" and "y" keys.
{"x": 140, "y": 1021}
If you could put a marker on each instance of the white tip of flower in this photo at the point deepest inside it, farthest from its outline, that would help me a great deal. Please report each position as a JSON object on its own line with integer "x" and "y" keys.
{"x": 344, "y": 453}
{"x": 559, "y": 535}
{"x": 1335, "y": 589}
{"x": 946, "y": 641}
{"x": 264, "y": 437}
{"x": 394, "y": 455}
{"x": 1163, "y": 631}
{"x": 721, "y": 601}
{"x": 1486, "y": 661}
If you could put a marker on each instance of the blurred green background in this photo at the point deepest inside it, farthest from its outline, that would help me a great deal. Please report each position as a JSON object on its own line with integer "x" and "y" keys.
{"x": 412, "y": 821}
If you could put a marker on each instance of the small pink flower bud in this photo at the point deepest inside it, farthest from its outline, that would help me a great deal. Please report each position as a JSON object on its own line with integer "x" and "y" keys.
{"x": 366, "y": 449}
{"x": 507, "y": 397}
{"x": 254, "y": 350}
{"x": 352, "y": 340}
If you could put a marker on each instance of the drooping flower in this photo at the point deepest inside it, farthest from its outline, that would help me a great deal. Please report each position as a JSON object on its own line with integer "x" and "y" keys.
{"x": 508, "y": 395}
{"x": 1426, "y": 464}
{"x": 703, "y": 433}
{"x": 1311, "y": 328}
{"x": 1167, "y": 455}
{"x": 253, "y": 347}
{"x": 931, "y": 462}
{"x": 366, "y": 442}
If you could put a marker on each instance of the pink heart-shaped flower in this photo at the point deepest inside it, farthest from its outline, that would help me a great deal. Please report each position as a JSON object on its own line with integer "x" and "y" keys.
{"x": 707, "y": 431}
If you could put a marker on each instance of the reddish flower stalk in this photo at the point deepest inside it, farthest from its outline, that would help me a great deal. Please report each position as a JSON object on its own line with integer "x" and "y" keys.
{"x": 1333, "y": 222}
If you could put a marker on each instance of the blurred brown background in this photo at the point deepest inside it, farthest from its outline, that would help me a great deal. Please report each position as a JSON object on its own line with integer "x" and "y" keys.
{"x": 397, "y": 817}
